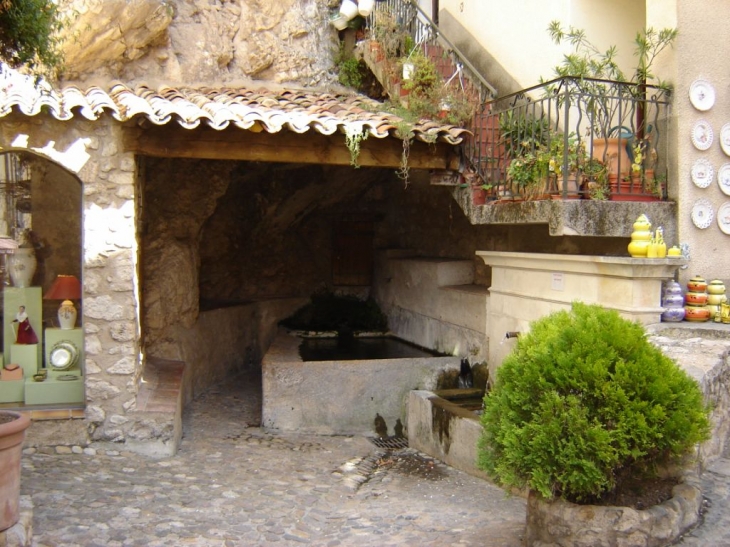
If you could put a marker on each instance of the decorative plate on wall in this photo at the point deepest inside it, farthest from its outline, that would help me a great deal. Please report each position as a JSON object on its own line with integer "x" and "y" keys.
{"x": 702, "y": 135}
{"x": 723, "y": 217}
{"x": 725, "y": 138}
{"x": 702, "y": 95}
{"x": 702, "y": 214}
{"x": 702, "y": 173}
{"x": 723, "y": 178}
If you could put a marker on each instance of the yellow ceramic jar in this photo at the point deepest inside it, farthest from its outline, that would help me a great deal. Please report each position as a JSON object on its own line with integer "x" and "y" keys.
{"x": 716, "y": 287}
{"x": 640, "y": 237}
{"x": 674, "y": 251}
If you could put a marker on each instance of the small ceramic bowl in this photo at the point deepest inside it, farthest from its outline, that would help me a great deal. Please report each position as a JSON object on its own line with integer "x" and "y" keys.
{"x": 39, "y": 377}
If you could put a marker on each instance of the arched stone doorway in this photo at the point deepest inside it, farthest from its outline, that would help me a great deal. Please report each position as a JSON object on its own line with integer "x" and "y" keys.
{"x": 40, "y": 210}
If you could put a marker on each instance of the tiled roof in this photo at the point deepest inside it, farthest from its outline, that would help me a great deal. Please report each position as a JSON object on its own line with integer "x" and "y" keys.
{"x": 296, "y": 110}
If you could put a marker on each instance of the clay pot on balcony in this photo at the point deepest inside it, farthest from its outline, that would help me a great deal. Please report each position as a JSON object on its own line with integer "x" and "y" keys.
{"x": 12, "y": 435}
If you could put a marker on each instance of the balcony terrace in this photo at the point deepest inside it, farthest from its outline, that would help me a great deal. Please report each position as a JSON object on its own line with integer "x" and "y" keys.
{"x": 584, "y": 156}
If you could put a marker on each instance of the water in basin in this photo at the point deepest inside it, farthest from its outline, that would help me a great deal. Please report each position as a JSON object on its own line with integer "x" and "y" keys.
{"x": 356, "y": 349}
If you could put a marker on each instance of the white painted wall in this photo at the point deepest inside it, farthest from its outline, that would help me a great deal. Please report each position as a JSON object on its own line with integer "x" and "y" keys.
{"x": 515, "y": 31}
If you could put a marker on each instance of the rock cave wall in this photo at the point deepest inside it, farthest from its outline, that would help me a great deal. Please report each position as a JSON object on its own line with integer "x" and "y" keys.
{"x": 208, "y": 42}
{"x": 219, "y": 234}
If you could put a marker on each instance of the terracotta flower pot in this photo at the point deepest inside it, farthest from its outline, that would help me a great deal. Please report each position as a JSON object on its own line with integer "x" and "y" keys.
{"x": 478, "y": 195}
{"x": 12, "y": 435}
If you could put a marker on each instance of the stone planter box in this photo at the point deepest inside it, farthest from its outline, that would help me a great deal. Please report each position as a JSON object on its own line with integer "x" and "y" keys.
{"x": 563, "y": 524}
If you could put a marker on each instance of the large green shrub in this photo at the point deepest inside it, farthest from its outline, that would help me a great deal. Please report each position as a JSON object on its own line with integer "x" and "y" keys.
{"x": 583, "y": 399}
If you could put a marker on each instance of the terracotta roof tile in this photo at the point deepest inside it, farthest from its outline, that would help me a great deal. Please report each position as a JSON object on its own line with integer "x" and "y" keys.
{"x": 295, "y": 110}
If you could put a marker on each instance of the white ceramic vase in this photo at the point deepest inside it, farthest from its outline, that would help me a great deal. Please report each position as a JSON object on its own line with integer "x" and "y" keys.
{"x": 365, "y": 7}
{"x": 21, "y": 266}
{"x": 348, "y": 9}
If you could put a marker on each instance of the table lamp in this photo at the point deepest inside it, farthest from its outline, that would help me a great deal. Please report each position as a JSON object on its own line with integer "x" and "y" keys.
{"x": 66, "y": 288}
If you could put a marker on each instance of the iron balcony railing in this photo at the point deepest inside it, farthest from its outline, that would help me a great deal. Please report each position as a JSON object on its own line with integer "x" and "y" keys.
{"x": 406, "y": 16}
{"x": 575, "y": 137}
{"x": 569, "y": 131}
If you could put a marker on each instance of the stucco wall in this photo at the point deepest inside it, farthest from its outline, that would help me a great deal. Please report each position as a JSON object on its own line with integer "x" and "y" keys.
{"x": 434, "y": 303}
{"x": 515, "y": 33}
{"x": 701, "y": 52}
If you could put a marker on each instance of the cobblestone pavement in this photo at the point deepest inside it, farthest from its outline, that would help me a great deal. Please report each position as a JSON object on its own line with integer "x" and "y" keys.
{"x": 233, "y": 484}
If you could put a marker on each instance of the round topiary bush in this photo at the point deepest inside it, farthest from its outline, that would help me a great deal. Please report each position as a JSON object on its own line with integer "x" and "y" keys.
{"x": 586, "y": 398}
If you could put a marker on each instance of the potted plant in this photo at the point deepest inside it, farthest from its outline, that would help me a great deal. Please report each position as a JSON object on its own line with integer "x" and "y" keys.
{"x": 12, "y": 435}
{"x": 529, "y": 173}
{"x": 520, "y": 132}
{"x": 595, "y": 179}
{"x": 615, "y": 112}
{"x": 567, "y": 157}
{"x": 584, "y": 408}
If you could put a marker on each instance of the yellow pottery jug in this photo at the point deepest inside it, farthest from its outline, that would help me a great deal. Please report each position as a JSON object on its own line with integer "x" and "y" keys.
{"x": 640, "y": 237}
{"x": 661, "y": 246}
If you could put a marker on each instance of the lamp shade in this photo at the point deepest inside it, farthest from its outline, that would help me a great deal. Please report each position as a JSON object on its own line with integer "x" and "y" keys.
{"x": 65, "y": 287}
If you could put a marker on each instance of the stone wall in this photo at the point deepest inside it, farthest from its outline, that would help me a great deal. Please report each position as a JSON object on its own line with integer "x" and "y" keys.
{"x": 90, "y": 152}
{"x": 228, "y": 340}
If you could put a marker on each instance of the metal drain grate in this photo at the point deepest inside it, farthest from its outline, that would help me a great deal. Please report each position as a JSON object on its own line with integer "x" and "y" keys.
{"x": 390, "y": 443}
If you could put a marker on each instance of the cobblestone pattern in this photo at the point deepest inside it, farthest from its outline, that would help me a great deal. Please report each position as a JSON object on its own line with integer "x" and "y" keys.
{"x": 233, "y": 484}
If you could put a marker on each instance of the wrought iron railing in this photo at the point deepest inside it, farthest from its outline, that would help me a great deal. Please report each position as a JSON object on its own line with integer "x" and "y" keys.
{"x": 569, "y": 137}
{"x": 450, "y": 62}
{"x": 578, "y": 137}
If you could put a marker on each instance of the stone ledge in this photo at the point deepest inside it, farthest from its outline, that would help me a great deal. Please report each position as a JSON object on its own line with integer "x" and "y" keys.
{"x": 575, "y": 217}
{"x": 158, "y": 410}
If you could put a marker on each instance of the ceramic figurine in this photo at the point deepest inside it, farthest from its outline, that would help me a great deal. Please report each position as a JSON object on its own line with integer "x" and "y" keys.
{"x": 661, "y": 246}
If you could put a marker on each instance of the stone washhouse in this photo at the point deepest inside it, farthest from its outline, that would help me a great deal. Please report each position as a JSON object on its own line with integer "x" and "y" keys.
{"x": 199, "y": 215}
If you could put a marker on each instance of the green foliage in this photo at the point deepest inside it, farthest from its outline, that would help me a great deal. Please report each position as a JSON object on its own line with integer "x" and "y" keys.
{"x": 352, "y": 72}
{"x": 588, "y": 64}
{"x": 587, "y": 61}
{"x": 430, "y": 97}
{"x": 28, "y": 33}
{"x": 393, "y": 37}
{"x": 342, "y": 313}
{"x": 520, "y": 132}
{"x": 353, "y": 140}
{"x": 539, "y": 161}
{"x": 583, "y": 398}
{"x": 424, "y": 78}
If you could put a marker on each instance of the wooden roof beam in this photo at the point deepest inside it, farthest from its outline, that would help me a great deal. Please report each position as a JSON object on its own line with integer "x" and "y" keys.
{"x": 285, "y": 147}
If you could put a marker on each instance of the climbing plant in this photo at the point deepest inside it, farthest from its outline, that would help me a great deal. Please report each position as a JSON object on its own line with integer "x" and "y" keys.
{"x": 29, "y": 34}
